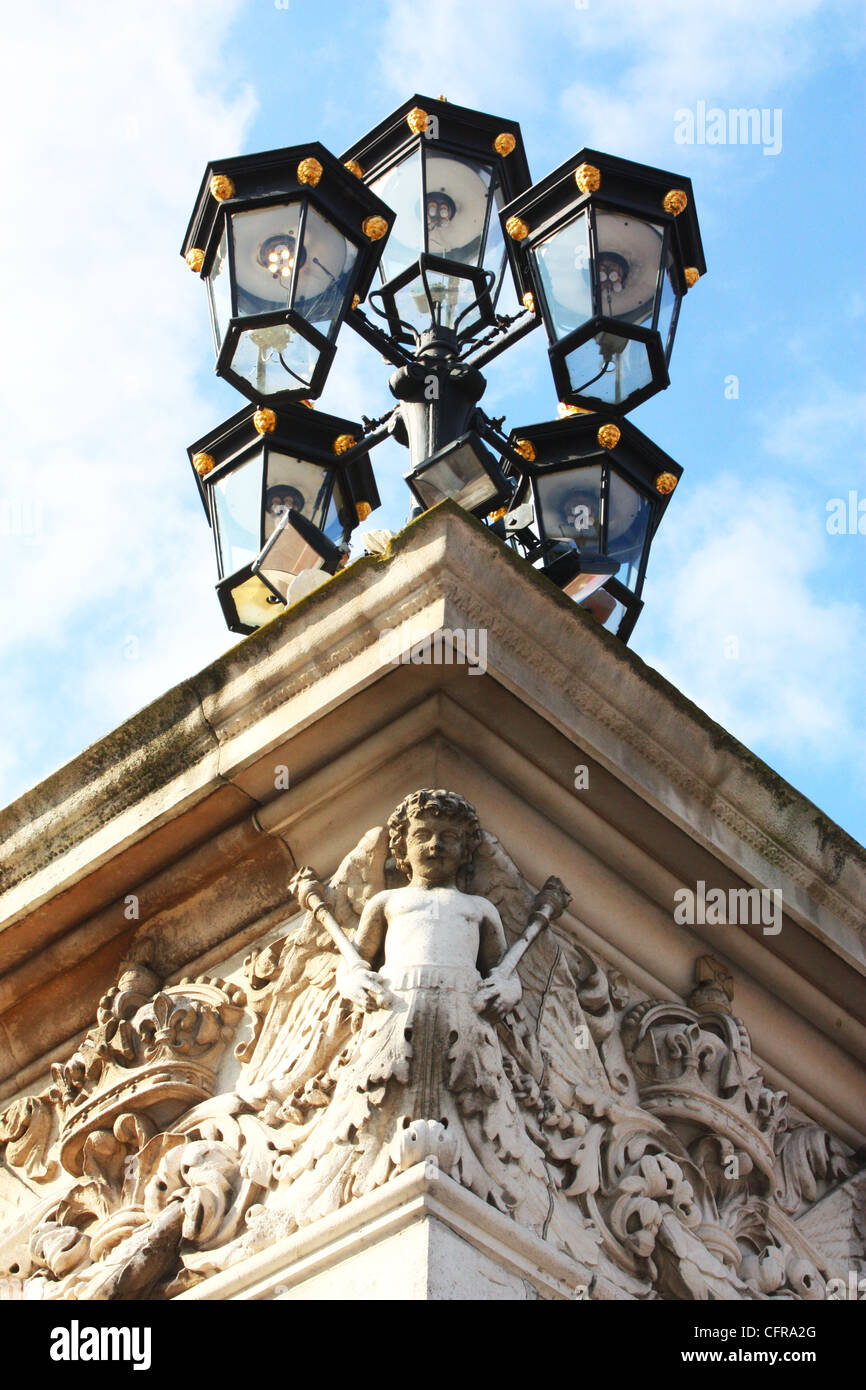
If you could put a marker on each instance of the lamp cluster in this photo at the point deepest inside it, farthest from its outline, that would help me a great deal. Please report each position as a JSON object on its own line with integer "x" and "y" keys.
{"x": 420, "y": 222}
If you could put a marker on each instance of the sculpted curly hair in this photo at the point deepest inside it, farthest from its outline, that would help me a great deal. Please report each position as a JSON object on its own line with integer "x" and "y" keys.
{"x": 440, "y": 803}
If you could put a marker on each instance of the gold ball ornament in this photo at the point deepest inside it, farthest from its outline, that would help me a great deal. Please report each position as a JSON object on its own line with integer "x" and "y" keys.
{"x": 529, "y": 301}
{"x": 222, "y": 187}
{"x": 354, "y": 168}
{"x": 309, "y": 171}
{"x": 665, "y": 483}
{"x": 363, "y": 510}
{"x": 504, "y": 143}
{"x": 498, "y": 514}
{"x": 693, "y": 275}
{"x": 417, "y": 120}
{"x": 264, "y": 420}
{"x": 195, "y": 259}
{"x": 343, "y": 443}
{"x": 356, "y": 300}
{"x": 526, "y": 449}
{"x": 374, "y": 228}
{"x": 608, "y": 436}
{"x": 203, "y": 464}
{"x": 587, "y": 178}
{"x": 516, "y": 228}
{"x": 675, "y": 201}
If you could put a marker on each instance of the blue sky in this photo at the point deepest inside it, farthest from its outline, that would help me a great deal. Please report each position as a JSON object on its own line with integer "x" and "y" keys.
{"x": 753, "y": 609}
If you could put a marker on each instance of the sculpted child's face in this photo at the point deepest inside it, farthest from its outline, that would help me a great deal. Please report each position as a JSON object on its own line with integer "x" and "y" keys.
{"x": 435, "y": 847}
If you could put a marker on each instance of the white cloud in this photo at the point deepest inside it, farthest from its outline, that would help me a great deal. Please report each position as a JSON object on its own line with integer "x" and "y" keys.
{"x": 740, "y": 612}
{"x": 110, "y": 115}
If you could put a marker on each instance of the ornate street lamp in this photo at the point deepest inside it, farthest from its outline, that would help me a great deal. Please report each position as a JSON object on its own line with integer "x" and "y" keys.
{"x": 284, "y": 241}
{"x": 608, "y": 249}
{"x": 590, "y": 500}
{"x": 282, "y": 492}
{"x": 438, "y": 199}
{"x": 446, "y": 172}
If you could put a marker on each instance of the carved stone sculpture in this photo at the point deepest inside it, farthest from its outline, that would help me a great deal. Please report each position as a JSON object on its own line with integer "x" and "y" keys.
{"x": 426, "y": 1007}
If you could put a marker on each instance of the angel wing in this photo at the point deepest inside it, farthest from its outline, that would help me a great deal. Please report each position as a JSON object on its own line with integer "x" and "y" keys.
{"x": 550, "y": 1038}
{"x": 308, "y": 1023}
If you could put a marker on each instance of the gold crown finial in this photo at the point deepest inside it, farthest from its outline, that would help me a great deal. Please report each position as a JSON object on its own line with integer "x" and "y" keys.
{"x": 417, "y": 120}
{"x": 665, "y": 483}
{"x": 264, "y": 420}
{"x": 374, "y": 228}
{"x": 222, "y": 187}
{"x": 587, "y": 178}
{"x": 516, "y": 228}
{"x": 309, "y": 171}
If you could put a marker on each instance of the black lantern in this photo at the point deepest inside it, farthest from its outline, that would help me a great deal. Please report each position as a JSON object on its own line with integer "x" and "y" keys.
{"x": 587, "y": 509}
{"x": 465, "y": 471}
{"x": 282, "y": 492}
{"x": 607, "y": 249}
{"x": 285, "y": 242}
{"x": 446, "y": 172}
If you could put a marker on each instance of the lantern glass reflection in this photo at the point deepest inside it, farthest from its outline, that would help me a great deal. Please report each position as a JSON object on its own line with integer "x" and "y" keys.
{"x": 570, "y": 506}
{"x": 609, "y": 368}
{"x": 220, "y": 292}
{"x": 271, "y": 359}
{"x": 237, "y": 503}
{"x": 459, "y": 475}
{"x": 563, "y": 267}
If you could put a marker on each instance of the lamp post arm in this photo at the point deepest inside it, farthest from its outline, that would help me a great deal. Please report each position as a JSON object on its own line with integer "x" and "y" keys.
{"x": 369, "y": 441}
{"x": 389, "y": 349}
{"x": 499, "y": 442}
{"x": 519, "y": 329}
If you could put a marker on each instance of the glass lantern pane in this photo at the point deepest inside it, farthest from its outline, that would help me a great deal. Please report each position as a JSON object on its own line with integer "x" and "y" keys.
{"x": 289, "y": 555}
{"x": 293, "y": 483}
{"x": 275, "y": 359}
{"x": 254, "y": 602}
{"x": 325, "y": 268}
{"x": 609, "y": 368}
{"x": 219, "y": 292}
{"x": 570, "y": 505}
{"x": 265, "y": 249}
{"x": 400, "y": 188}
{"x": 588, "y": 590}
{"x": 668, "y": 310}
{"x": 629, "y": 255}
{"x": 460, "y": 476}
{"x": 494, "y": 250}
{"x": 627, "y": 522}
{"x": 237, "y": 502}
{"x": 450, "y": 295}
{"x": 563, "y": 267}
{"x": 456, "y": 196}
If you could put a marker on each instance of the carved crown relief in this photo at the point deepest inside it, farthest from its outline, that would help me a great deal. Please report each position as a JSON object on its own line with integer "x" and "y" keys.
{"x": 426, "y": 1005}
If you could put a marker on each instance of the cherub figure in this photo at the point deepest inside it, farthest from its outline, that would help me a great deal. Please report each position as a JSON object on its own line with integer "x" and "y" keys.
{"x": 431, "y": 929}
{"x": 423, "y": 1068}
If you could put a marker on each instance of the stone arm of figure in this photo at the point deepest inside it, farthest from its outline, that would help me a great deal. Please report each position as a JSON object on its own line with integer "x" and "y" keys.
{"x": 363, "y": 985}
{"x": 498, "y": 993}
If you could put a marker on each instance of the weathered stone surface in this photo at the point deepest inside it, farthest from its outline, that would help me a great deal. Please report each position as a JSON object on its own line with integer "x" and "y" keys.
{"x": 669, "y": 1109}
